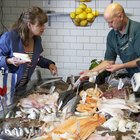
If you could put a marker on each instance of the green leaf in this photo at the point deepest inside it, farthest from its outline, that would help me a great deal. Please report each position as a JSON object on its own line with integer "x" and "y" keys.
{"x": 94, "y": 63}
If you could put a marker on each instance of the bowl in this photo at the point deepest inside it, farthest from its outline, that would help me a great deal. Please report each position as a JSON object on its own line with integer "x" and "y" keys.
{"x": 83, "y": 15}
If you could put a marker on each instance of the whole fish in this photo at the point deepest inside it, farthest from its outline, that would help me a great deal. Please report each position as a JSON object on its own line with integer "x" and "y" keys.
{"x": 6, "y": 137}
{"x": 71, "y": 104}
{"x": 65, "y": 97}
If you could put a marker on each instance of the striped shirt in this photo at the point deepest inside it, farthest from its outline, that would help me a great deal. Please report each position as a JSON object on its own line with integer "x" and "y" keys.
{"x": 24, "y": 79}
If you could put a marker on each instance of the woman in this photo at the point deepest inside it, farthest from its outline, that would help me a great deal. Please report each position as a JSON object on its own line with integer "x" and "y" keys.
{"x": 25, "y": 38}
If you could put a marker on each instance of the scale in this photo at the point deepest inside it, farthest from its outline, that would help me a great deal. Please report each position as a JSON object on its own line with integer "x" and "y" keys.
{"x": 135, "y": 81}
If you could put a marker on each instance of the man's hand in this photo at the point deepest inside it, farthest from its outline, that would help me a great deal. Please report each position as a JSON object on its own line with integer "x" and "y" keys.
{"x": 84, "y": 75}
{"x": 53, "y": 69}
{"x": 114, "y": 67}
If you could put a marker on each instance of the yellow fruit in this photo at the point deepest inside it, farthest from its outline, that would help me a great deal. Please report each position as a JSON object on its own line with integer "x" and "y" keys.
{"x": 83, "y": 6}
{"x": 91, "y": 20}
{"x": 90, "y": 16}
{"x": 84, "y": 12}
{"x": 82, "y": 16}
{"x": 72, "y": 15}
{"x": 95, "y": 13}
{"x": 77, "y": 19}
{"x": 77, "y": 23}
{"x": 85, "y": 0}
{"x": 78, "y": 11}
{"x": 84, "y": 23}
{"x": 88, "y": 10}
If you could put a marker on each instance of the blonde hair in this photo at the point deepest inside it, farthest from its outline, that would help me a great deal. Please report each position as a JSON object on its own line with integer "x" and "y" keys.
{"x": 32, "y": 15}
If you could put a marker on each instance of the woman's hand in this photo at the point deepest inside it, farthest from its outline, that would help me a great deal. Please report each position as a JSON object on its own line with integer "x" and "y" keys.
{"x": 53, "y": 69}
{"x": 15, "y": 61}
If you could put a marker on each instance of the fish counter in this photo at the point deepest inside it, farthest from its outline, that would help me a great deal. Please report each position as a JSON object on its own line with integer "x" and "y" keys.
{"x": 53, "y": 110}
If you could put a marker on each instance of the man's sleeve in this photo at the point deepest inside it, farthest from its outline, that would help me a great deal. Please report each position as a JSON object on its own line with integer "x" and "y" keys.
{"x": 136, "y": 44}
{"x": 110, "y": 53}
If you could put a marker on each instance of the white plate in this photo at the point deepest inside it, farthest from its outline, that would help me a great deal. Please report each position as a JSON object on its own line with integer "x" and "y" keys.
{"x": 22, "y": 56}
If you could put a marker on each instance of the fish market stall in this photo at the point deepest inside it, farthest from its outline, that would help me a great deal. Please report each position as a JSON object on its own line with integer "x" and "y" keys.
{"x": 25, "y": 118}
{"x": 54, "y": 109}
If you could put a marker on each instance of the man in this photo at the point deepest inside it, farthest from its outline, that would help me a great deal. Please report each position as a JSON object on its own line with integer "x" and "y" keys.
{"x": 123, "y": 40}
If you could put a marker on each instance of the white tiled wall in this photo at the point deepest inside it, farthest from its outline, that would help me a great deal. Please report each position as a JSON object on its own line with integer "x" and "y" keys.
{"x": 71, "y": 47}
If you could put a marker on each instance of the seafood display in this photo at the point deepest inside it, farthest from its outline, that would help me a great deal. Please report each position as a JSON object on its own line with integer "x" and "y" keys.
{"x": 76, "y": 128}
{"x": 89, "y": 99}
{"x": 20, "y": 127}
{"x": 115, "y": 93}
{"x": 106, "y": 137}
{"x": 34, "y": 112}
{"x": 54, "y": 110}
{"x": 39, "y": 101}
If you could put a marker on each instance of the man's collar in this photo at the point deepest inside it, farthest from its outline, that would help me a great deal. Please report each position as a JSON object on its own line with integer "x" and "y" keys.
{"x": 126, "y": 28}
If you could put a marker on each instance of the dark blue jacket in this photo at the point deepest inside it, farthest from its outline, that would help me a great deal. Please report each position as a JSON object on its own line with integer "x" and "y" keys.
{"x": 11, "y": 42}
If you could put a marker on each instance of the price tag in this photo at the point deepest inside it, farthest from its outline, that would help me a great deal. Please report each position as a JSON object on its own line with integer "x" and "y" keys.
{"x": 84, "y": 97}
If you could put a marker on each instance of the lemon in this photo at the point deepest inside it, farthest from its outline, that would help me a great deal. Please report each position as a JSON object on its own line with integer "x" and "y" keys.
{"x": 83, "y": 6}
{"x": 78, "y": 11}
{"x": 72, "y": 15}
{"x": 77, "y": 23}
{"x": 84, "y": 23}
{"x": 82, "y": 16}
{"x": 91, "y": 20}
{"x": 85, "y": 0}
{"x": 77, "y": 19}
{"x": 95, "y": 13}
{"x": 84, "y": 12}
{"x": 89, "y": 16}
{"x": 88, "y": 10}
